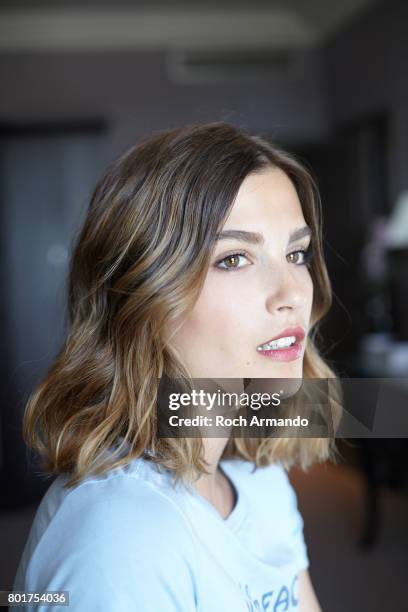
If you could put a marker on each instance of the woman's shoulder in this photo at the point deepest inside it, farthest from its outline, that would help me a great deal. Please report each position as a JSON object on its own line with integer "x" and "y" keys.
{"x": 134, "y": 492}
{"x": 98, "y": 529}
{"x": 104, "y": 512}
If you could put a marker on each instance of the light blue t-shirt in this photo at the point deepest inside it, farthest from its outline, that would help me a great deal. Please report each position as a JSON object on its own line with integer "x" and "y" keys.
{"x": 131, "y": 541}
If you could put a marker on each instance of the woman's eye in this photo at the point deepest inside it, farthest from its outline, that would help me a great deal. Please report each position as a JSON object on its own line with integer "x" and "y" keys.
{"x": 305, "y": 256}
{"x": 235, "y": 261}
{"x": 231, "y": 262}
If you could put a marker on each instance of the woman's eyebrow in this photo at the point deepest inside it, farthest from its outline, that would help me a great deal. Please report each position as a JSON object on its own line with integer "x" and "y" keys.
{"x": 256, "y": 238}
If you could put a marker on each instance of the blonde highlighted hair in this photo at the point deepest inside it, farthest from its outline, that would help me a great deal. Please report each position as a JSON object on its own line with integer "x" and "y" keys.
{"x": 138, "y": 264}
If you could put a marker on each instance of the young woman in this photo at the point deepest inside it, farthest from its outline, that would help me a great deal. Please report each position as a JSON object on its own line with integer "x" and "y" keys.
{"x": 200, "y": 246}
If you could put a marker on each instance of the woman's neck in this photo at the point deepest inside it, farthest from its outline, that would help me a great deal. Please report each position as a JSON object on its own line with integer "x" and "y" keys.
{"x": 215, "y": 487}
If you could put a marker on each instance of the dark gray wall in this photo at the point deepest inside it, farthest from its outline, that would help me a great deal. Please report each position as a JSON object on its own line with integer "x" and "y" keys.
{"x": 367, "y": 72}
{"x": 45, "y": 185}
{"x": 360, "y": 70}
{"x": 133, "y": 91}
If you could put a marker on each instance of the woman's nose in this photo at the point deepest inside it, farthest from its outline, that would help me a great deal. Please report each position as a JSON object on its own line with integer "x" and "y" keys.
{"x": 287, "y": 292}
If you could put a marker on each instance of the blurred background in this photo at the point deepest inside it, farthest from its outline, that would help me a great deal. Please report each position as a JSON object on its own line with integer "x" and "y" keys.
{"x": 82, "y": 81}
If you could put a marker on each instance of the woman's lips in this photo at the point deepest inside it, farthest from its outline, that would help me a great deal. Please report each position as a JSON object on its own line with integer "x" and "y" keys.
{"x": 289, "y": 353}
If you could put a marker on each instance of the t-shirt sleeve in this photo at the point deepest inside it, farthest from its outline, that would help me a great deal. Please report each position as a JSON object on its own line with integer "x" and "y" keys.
{"x": 118, "y": 553}
{"x": 296, "y": 529}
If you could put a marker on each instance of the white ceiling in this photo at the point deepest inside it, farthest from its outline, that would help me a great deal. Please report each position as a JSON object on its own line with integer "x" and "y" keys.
{"x": 154, "y": 25}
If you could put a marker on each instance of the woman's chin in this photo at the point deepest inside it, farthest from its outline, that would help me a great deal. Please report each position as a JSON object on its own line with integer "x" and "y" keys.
{"x": 288, "y": 369}
{"x": 279, "y": 370}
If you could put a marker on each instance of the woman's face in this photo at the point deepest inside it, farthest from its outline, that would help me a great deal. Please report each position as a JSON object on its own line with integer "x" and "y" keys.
{"x": 256, "y": 287}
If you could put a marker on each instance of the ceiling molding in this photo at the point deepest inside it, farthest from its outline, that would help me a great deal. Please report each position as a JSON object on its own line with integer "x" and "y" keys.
{"x": 127, "y": 29}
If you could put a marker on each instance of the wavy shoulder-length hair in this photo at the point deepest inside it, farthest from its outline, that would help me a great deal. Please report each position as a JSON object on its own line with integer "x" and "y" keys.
{"x": 138, "y": 265}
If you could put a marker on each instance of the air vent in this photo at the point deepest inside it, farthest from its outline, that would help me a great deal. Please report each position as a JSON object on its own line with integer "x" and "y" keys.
{"x": 189, "y": 66}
